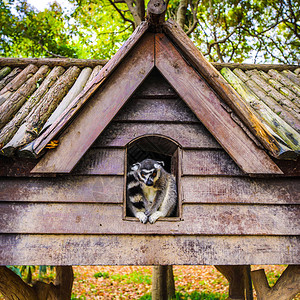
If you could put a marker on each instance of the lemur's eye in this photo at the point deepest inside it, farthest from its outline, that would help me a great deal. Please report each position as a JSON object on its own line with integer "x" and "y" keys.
{"x": 154, "y": 173}
{"x": 143, "y": 174}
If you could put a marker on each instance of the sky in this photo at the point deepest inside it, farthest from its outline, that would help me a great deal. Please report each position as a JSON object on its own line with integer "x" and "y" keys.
{"x": 42, "y": 4}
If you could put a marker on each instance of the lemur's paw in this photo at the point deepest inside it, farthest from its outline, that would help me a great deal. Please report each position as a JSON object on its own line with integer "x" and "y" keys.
{"x": 153, "y": 218}
{"x": 142, "y": 217}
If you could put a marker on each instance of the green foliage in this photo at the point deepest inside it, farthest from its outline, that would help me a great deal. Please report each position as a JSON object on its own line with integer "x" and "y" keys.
{"x": 99, "y": 29}
{"x": 28, "y": 33}
{"x": 74, "y": 297}
{"x": 100, "y": 274}
{"x": 260, "y": 30}
{"x": 26, "y": 272}
{"x": 136, "y": 277}
{"x": 257, "y": 31}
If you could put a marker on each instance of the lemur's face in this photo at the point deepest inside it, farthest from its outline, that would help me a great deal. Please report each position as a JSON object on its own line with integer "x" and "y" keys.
{"x": 148, "y": 171}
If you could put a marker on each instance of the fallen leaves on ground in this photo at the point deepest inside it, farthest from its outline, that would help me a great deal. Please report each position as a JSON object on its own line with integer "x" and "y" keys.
{"x": 133, "y": 282}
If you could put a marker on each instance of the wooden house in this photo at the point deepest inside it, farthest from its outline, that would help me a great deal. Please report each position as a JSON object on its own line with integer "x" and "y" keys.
{"x": 229, "y": 133}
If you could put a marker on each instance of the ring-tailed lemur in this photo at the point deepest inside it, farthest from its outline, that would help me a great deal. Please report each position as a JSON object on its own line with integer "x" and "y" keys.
{"x": 151, "y": 191}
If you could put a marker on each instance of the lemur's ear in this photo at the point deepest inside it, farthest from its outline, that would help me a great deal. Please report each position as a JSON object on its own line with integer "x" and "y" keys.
{"x": 159, "y": 164}
{"x": 134, "y": 167}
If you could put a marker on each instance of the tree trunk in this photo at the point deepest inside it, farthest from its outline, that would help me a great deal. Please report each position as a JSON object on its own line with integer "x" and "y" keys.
{"x": 13, "y": 287}
{"x": 163, "y": 287}
{"x": 239, "y": 281}
{"x": 181, "y": 13}
{"x": 286, "y": 287}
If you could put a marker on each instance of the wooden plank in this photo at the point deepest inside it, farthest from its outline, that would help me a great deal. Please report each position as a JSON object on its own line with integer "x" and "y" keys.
{"x": 289, "y": 167}
{"x": 39, "y": 114}
{"x": 74, "y": 91}
{"x": 16, "y": 168}
{"x": 101, "y": 77}
{"x": 99, "y": 161}
{"x": 187, "y": 135}
{"x": 100, "y": 110}
{"x": 208, "y": 162}
{"x": 74, "y": 189}
{"x": 220, "y": 85}
{"x": 200, "y": 189}
{"x": 9, "y": 108}
{"x": 155, "y": 86}
{"x": 51, "y": 62}
{"x": 198, "y": 219}
{"x": 287, "y": 133}
{"x": 7, "y": 79}
{"x": 147, "y": 250}
{"x": 261, "y": 67}
{"x": 109, "y": 189}
{"x": 9, "y": 130}
{"x": 208, "y": 108}
{"x": 168, "y": 110}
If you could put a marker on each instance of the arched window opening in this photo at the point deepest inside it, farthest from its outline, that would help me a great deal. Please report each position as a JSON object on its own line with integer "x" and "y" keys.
{"x": 158, "y": 148}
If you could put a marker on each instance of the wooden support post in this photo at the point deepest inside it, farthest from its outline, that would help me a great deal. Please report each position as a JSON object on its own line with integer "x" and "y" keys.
{"x": 156, "y": 10}
{"x": 163, "y": 287}
{"x": 286, "y": 287}
{"x": 240, "y": 286}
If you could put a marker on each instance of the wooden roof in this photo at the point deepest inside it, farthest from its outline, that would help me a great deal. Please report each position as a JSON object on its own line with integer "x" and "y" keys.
{"x": 38, "y": 97}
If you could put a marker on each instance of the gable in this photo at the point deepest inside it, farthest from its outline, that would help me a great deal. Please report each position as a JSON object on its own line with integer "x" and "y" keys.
{"x": 191, "y": 87}
{"x": 156, "y": 109}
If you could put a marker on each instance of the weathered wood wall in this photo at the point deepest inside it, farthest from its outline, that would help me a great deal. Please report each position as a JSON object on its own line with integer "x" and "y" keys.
{"x": 227, "y": 217}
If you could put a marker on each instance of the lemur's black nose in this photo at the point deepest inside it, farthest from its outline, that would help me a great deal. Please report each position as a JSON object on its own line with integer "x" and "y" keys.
{"x": 149, "y": 182}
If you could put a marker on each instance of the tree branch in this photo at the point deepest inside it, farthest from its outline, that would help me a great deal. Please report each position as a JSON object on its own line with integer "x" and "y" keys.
{"x": 134, "y": 11}
{"x": 49, "y": 52}
{"x": 195, "y": 19}
{"x": 181, "y": 13}
{"x": 121, "y": 14}
{"x": 210, "y": 45}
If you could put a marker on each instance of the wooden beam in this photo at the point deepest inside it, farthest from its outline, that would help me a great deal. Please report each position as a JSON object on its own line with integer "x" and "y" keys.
{"x": 104, "y": 105}
{"x": 219, "y": 84}
{"x": 197, "y": 219}
{"x": 10, "y": 129}
{"x": 147, "y": 250}
{"x": 156, "y": 10}
{"x": 79, "y": 101}
{"x": 208, "y": 108}
{"x": 260, "y": 67}
{"x": 109, "y": 189}
{"x": 52, "y": 62}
